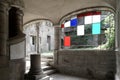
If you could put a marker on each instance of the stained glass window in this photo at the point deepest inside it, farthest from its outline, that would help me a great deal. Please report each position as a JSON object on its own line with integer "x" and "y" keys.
{"x": 88, "y": 30}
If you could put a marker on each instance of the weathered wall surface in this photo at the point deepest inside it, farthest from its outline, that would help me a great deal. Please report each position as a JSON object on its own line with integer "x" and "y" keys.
{"x": 118, "y": 39}
{"x": 17, "y": 69}
{"x": 91, "y": 64}
{"x": 4, "y": 68}
{"x": 118, "y": 66}
{"x": 46, "y": 30}
{"x": 12, "y": 69}
{"x": 16, "y": 65}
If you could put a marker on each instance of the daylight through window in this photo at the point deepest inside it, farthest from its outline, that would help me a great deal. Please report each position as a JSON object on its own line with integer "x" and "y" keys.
{"x": 89, "y": 30}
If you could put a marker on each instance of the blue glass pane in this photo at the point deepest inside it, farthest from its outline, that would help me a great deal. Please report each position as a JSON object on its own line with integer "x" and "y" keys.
{"x": 96, "y": 28}
{"x": 74, "y": 22}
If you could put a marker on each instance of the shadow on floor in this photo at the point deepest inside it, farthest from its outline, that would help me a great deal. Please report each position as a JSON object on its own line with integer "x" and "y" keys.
{"x": 64, "y": 77}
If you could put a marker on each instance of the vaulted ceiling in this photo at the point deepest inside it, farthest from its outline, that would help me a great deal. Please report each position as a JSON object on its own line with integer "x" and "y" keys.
{"x": 54, "y": 10}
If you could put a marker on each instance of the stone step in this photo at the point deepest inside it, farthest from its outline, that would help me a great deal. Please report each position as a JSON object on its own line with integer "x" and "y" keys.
{"x": 48, "y": 57}
{"x": 46, "y": 60}
{"x": 44, "y": 63}
{"x": 45, "y": 78}
{"x": 49, "y": 72}
{"x": 44, "y": 68}
{"x": 51, "y": 63}
{"x": 47, "y": 69}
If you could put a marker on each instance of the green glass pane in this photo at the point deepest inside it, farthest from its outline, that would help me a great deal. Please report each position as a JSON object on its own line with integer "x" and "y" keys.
{"x": 81, "y": 21}
{"x": 88, "y": 29}
{"x": 70, "y": 31}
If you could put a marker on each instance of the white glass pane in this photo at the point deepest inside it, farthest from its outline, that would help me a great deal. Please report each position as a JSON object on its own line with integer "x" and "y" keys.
{"x": 80, "y": 30}
{"x": 67, "y": 24}
{"x": 88, "y": 19}
{"x": 96, "y": 18}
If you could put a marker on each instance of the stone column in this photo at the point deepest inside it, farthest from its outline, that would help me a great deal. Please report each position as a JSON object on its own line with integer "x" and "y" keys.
{"x": 3, "y": 28}
{"x": 57, "y": 44}
{"x": 37, "y": 38}
{"x": 57, "y": 38}
{"x": 16, "y": 55}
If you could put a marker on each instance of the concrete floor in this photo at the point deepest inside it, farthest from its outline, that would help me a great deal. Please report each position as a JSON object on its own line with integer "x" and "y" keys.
{"x": 64, "y": 77}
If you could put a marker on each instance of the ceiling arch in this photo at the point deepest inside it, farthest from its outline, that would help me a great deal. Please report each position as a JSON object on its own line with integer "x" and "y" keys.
{"x": 54, "y": 10}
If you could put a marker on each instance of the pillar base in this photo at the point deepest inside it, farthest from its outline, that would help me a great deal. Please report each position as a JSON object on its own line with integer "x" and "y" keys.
{"x": 36, "y": 72}
{"x": 36, "y": 77}
{"x": 45, "y": 78}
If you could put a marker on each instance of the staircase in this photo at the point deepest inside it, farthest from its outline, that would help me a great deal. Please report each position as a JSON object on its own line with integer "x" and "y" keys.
{"x": 46, "y": 64}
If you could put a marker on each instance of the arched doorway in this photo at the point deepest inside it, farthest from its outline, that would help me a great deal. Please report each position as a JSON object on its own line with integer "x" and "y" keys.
{"x": 39, "y": 40}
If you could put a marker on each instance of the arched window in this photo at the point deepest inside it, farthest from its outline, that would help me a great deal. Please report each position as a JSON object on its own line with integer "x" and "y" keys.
{"x": 89, "y": 30}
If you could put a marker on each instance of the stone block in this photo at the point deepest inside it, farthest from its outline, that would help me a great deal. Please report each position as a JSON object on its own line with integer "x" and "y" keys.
{"x": 87, "y": 63}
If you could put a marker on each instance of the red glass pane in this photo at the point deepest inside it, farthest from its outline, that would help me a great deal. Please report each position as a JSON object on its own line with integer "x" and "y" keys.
{"x": 80, "y": 15}
{"x": 96, "y": 12}
{"x": 88, "y": 13}
{"x": 67, "y": 41}
{"x": 62, "y": 25}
